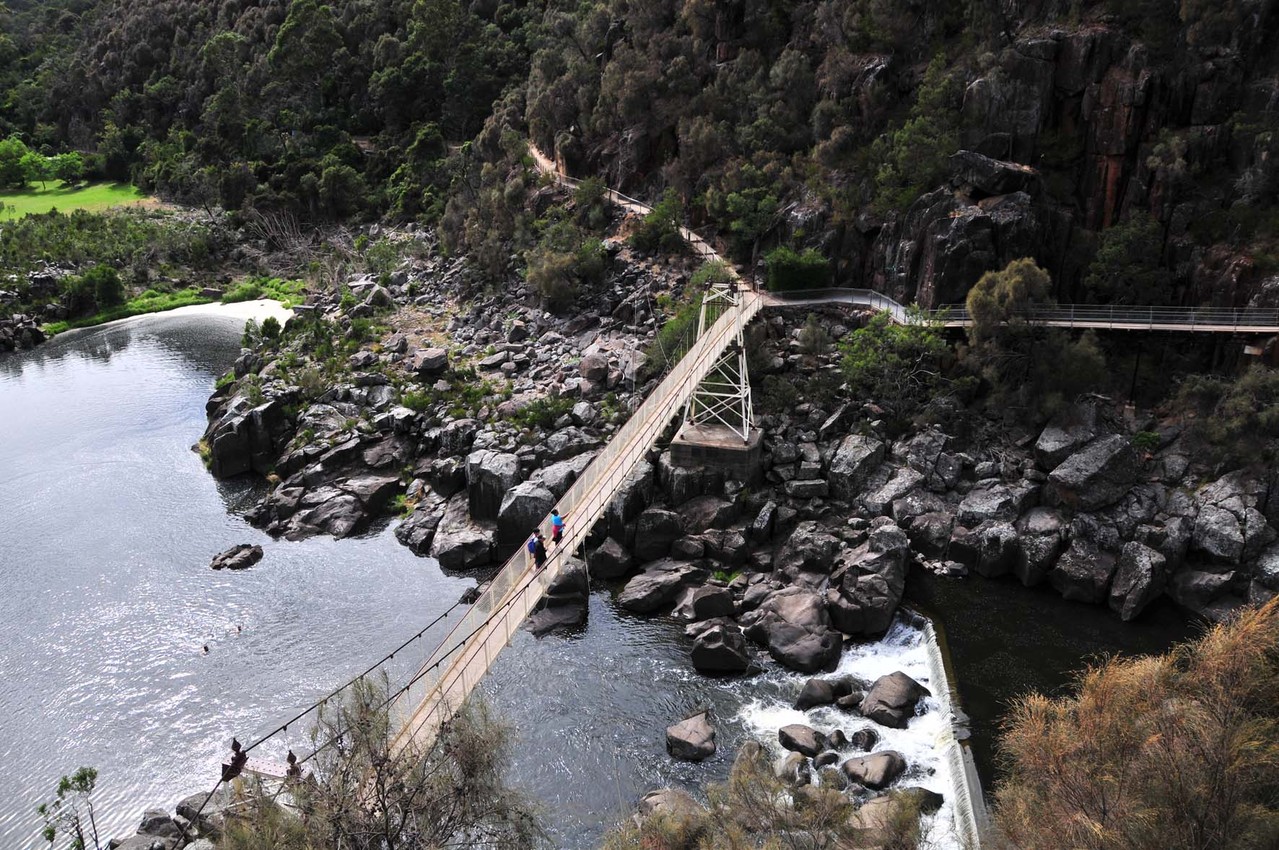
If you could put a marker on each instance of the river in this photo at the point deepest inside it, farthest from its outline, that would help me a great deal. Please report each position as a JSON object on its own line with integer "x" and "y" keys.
{"x": 107, "y": 525}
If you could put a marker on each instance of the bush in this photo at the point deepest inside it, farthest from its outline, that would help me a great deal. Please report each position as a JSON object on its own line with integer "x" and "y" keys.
{"x": 674, "y": 339}
{"x": 450, "y": 793}
{"x": 813, "y": 338}
{"x": 898, "y": 367}
{"x": 1129, "y": 267}
{"x": 790, "y": 271}
{"x": 1175, "y": 750}
{"x": 1238, "y": 419}
{"x": 659, "y": 231}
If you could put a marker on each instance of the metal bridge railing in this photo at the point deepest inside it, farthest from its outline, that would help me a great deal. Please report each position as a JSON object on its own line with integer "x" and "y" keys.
{"x": 1210, "y": 319}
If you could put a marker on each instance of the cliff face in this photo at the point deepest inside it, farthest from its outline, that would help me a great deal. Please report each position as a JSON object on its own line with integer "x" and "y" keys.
{"x": 1099, "y": 89}
{"x": 1062, "y": 123}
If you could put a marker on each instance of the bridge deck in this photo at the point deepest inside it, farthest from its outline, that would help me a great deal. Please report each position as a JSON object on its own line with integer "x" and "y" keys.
{"x": 1247, "y": 320}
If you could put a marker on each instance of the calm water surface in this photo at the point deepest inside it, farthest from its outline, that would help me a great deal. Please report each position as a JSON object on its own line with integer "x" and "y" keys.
{"x": 107, "y": 524}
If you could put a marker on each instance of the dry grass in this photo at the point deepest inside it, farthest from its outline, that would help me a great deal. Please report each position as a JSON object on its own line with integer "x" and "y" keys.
{"x": 1174, "y": 751}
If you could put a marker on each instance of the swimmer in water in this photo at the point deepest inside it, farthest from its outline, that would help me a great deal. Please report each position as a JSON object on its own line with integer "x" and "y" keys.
{"x": 205, "y": 650}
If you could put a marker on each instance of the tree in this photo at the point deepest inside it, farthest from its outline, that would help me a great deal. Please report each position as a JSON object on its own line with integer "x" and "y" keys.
{"x": 12, "y": 173}
{"x": 68, "y": 167}
{"x": 35, "y": 168}
{"x": 1005, "y": 297}
{"x": 1238, "y": 419}
{"x": 1179, "y": 750}
{"x": 367, "y": 794}
{"x": 71, "y": 812}
{"x": 1129, "y": 267}
{"x": 914, "y": 157}
{"x": 897, "y": 367}
{"x": 1026, "y": 366}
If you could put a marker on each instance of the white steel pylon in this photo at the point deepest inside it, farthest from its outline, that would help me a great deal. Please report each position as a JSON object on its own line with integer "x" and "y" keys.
{"x": 724, "y": 395}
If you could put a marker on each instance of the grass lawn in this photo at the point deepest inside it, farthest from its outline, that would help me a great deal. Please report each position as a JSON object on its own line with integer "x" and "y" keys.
{"x": 93, "y": 197}
{"x": 148, "y": 302}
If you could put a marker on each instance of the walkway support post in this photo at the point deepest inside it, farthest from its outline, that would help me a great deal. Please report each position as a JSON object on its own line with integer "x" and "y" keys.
{"x": 724, "y": 395}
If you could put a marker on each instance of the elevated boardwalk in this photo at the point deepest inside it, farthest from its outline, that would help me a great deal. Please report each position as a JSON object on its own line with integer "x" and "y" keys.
{"x": 1248, "y": 320}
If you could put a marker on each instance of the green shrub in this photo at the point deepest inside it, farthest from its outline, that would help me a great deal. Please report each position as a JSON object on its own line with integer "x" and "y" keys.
{"x": 225, "y": 381}
{"x": 108, "y": 291}
{"x": 542, "y": 412}
{"x": 271, "y": 328}
{"x": 659, "y": 230}
{"x": 677, "y": 334}
{"x": 287, "y": 292}
{"x": 789, "y": 271}
{"x": 1146, "y": 441}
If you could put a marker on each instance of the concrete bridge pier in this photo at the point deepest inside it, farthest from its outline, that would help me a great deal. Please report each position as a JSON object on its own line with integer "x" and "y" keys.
{"x": 719, "y": 447}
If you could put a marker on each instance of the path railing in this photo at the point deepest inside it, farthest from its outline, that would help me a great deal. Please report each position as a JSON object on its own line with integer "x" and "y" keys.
{"x": 1115, "y": 317}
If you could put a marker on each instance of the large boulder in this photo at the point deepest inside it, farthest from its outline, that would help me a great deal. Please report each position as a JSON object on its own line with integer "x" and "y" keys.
{"x": 720, "y": 649}
{"x": 429, "y": 362}
{"x": 1040, "y": 536}
{"x": 465, "y": 546}
{"x": 692, "y": 739}
{"x": 609, "y": 560}
{"x": 794, "y": 625}
{"x": 999, "y": 502}
{"x": 418, "y": 531}
{"x": 809, "y": 549}
{"x": 565, "y": 601}
{"x": 670, "y": 802}
{"x": 867, "y": 586}
{"x": 657, "y": 585}
{"x": 706, "y": 512}
{"x": 1083, "y": 573}
{"x": 801, "y": 739}
{"x": 875, "y": 771}
{"x": 655, "y": 530}
{"x": 902, "y": 482}
{"x": 489, "y": 476}
{"x": 891, "y": 700}
{"x": 851, "y": 465}
{"x": 1095, "y": 476}
{"x": 1066, "y": 432}
{"x": 1139, "y": 578}
{"x": 523, "y": 507}
{"x": 238, "y": 557}
{"x": 997, "y": 548}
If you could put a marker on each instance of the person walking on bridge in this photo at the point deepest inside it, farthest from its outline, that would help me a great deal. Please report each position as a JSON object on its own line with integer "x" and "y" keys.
{"x": 557, "y": 526}
{"x": 532, "y": 547}
{"x": 539, "y": 551}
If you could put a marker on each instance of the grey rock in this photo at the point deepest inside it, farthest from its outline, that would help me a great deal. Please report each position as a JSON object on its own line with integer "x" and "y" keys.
{"x": 998, "y": 502}
{"x": 238, "y": 557}
{"x": 692, "y": 739}
{"x": 1083, "y": 573}
{"x": 808, "y": 549}
{"x": 417, "y": 531}
{"x": 671, "y": 802}
{"x": 1041, "y": 534}
{"x": 1199, "y": 589}
{"x": 430, "y": 362}
{"x": 901, "y": 483}
{"x": 816, "y": 691}
{"x": 852, "y": 464}
{"x": 1067, "y": 431}
{"x": 793, "y": 769}
{"x": 489, "y": 475}
{"x": 1139, "y": 578}
{"x": 876, "y": 771}
{"x": 801, "y": 739}
{"x": 462, "y": 547}
{"x": 657, "y": 586}
{"x": 655, "y": 530}
{"x": 1095, "y": 476}
{"x": 891, "y": 700}
{"x": 523, "y": 507}
{"x": 720, "y": 649}
{"x": 609, "y": 560}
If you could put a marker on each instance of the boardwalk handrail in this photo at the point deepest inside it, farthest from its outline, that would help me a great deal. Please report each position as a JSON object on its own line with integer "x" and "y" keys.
{"x": 1119, "y": 317}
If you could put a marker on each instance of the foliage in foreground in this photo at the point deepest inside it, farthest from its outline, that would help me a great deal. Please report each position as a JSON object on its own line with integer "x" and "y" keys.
{"x": 71, "y": 812}
{"x": 754, "y": 809}
{"x": 1179, "y": 750}
{"x": 365, "y": 794}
